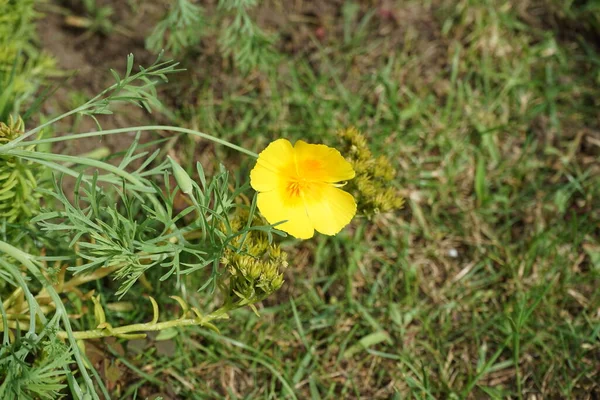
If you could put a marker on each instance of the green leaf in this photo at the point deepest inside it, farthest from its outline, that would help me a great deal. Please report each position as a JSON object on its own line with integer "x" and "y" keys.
{"x": 167, "y": 334}
{"x": 480, "y": 183}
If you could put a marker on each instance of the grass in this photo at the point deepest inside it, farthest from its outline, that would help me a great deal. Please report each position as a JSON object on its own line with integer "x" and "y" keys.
{"x": 486, "y": 285}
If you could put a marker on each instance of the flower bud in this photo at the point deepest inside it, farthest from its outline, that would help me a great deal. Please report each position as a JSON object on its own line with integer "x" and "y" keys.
{"x": 183, "y": 179}
{"x": 13, "y": 130}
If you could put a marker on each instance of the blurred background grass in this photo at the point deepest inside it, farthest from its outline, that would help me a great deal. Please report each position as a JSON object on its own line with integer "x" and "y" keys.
{"x": 484, "y": 286}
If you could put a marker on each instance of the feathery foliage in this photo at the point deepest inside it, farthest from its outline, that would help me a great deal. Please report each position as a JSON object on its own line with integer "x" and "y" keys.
{"x": 179, "y": 30}
{"x": 239, "y": 37}
{"x": 120, "y": 221}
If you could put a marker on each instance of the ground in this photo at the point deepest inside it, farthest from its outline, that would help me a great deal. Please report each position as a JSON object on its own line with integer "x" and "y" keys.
{"x": 484, "y": 286}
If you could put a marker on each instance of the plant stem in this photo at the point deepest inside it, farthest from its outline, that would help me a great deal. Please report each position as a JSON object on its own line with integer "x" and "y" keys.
{"x": 48, "y": 123}
{"x": 221, "y": 313}
{"x": 135, "y": 129}
{"x": 36, "y": 155}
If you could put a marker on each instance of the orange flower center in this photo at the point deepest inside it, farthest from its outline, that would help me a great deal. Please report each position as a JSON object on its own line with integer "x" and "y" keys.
{"x": 295, "y": 187}
{"x": 300, "y": 180}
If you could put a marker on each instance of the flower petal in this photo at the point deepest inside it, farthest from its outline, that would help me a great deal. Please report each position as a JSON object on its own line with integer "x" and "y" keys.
{"x": 275, "y": 206}
{"x": 273, "y": 162}
{"x": 329, "y": 208}
{"x": 320, "y": 163}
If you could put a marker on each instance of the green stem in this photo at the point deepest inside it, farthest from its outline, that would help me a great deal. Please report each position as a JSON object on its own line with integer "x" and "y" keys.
{"x": 42, "y": 126}
{"x": 221, "y": 313}
{"x": 132, "y": 129}
{"x": 516, "y": 358}
{"x": 79, "y": 109}
{"x": 90, "y": 162}
{"x": 5, "y": 337}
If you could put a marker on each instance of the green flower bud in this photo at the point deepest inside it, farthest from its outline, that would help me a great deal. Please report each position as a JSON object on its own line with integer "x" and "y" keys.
{"x": 253, "y": 263}
{"x": 181, "y": 177}
{"x": 13, "y": 130}
{"x": 277, "y": 282}
{"x": 255, "y": 270}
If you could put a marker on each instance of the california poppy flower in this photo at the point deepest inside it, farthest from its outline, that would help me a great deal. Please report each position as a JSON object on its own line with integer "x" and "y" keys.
{"x": 299, "y": 185}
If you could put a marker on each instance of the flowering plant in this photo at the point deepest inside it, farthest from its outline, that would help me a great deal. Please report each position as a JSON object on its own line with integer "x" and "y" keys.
{"x": 122, "y": 221}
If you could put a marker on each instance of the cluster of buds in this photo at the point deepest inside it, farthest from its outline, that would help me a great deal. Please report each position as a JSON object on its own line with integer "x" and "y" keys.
{"x": 370, "y": 187}
{"x": 17, "y": 181}
{"x": 13, "y": 130}
{"x": 254, "y": 264}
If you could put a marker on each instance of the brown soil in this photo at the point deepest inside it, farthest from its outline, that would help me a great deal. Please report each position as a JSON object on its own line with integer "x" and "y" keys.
{"x": 84, "y": 60}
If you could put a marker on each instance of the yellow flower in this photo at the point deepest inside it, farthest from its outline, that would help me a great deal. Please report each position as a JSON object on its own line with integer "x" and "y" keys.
{"x": 298, "y": 185}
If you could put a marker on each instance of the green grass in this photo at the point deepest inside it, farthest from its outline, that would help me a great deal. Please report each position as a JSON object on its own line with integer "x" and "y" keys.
{"x": 486, "y": 285}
